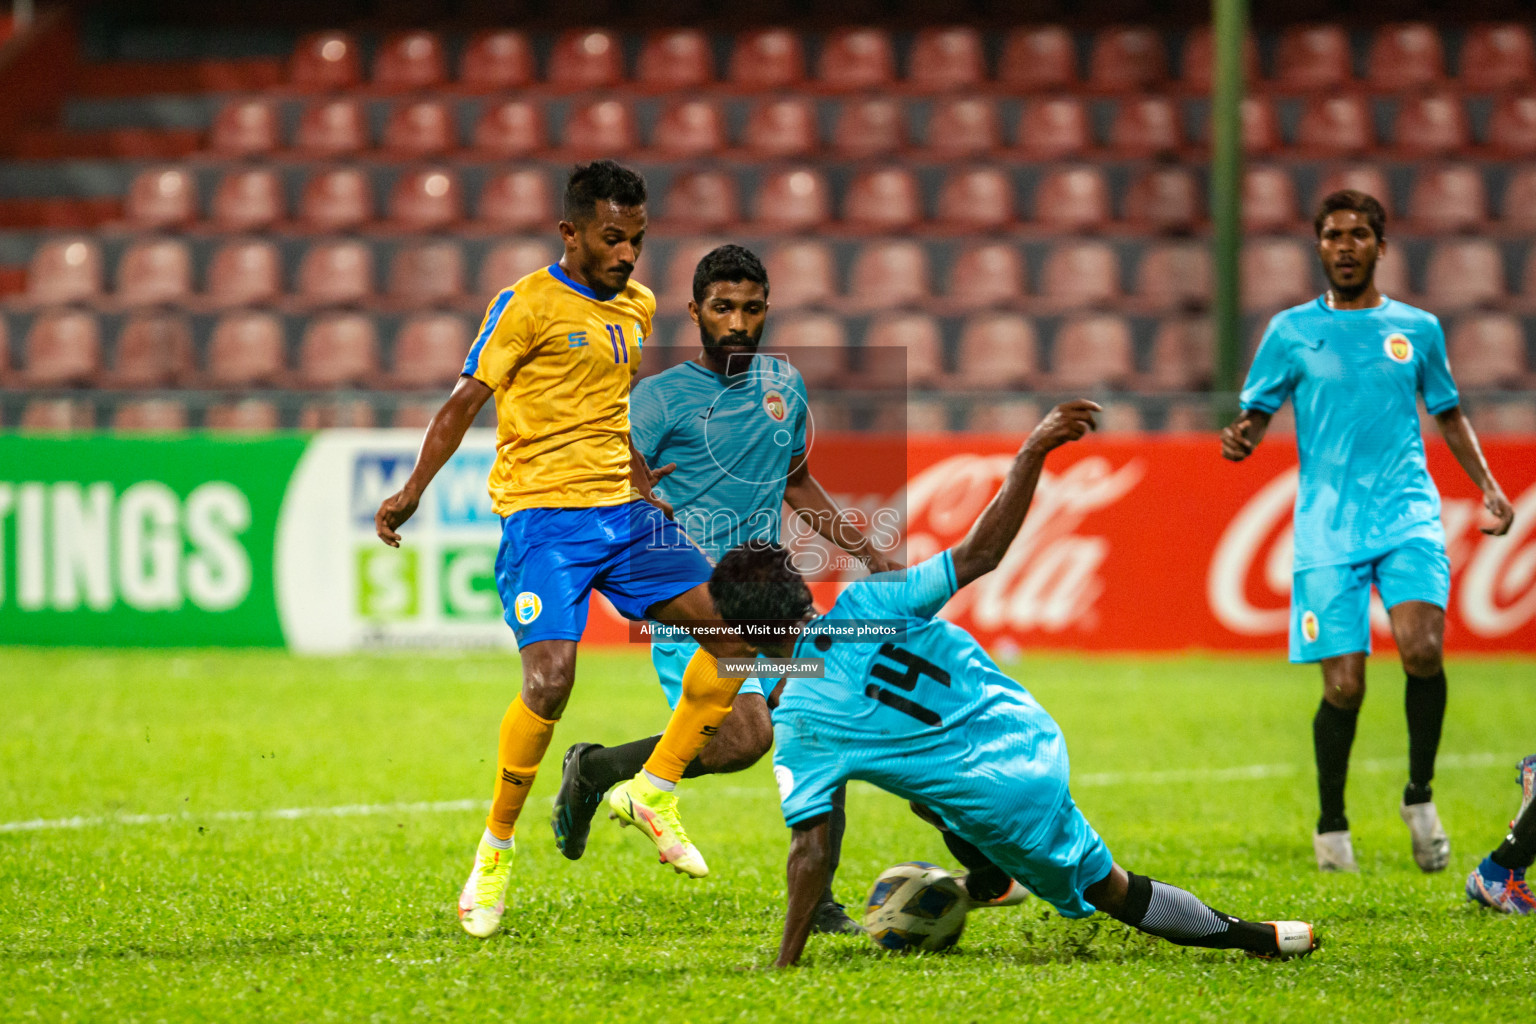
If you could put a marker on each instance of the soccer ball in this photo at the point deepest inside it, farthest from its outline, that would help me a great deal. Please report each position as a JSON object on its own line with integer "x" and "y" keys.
{"x": 915, "y": 907}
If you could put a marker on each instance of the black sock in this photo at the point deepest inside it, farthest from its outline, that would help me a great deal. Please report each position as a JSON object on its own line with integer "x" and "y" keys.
{"x": 1333, "y": 733}
{"x": 984, "y": 880}
{"x": 1169, "y": 912}
{"x": 1424, "y": 701}
{"x": 1518, "y": 851}
{"x": 606, "y": 767}
{"x": 837, "y": 824}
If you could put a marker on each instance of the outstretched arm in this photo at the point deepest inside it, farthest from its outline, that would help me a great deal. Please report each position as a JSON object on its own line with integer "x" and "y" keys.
{"x": 983, "y": 548}
{"x": 1463, "y": 443}
{"x": 1240, "y": 437}
{"x": 444, "y": 434}
{"x": 805, "y": 495}
{"x": 810, "y": 855}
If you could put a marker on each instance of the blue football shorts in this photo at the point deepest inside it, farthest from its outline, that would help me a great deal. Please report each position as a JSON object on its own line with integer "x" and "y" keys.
{"x": 1330, "y": 604}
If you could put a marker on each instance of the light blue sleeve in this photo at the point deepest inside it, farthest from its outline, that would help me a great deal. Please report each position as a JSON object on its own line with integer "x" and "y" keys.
{"x": 1270, "y": 378}
{"x": 802, "y": 414}
{"x": 807, "y": 771}
{"x": 1435, "y": 380}
{"x": 648, "y": 418}
{"x": 915, "y": 592}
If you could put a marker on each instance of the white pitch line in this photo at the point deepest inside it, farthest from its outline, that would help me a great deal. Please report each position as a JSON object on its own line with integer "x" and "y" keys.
{"x": 1085, "y": 780}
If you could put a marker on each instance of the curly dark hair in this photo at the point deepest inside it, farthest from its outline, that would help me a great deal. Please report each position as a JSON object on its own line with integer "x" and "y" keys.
{"x": 755, "y": 585}
{"x": 601, "y": 181}
{"x": 728, "y": 263}
{"x": 1357, "y": 201}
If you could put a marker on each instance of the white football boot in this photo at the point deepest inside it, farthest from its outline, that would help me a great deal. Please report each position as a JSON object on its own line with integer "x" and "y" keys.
{"x": 1431, "y": 846}
{"x": 1334, "y": 851}
{"x": 1295, "y": 938}
{"x": 1012, "y": 897}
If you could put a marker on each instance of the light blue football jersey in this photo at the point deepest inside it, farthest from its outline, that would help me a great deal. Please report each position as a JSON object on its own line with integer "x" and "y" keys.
{"x": 929, "y": 717}
{"x": 733, "y": 439}
{"x": 1354, "y": 377}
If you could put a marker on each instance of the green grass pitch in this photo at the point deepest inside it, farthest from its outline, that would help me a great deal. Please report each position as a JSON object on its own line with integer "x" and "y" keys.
{"x": 173, "y": 906}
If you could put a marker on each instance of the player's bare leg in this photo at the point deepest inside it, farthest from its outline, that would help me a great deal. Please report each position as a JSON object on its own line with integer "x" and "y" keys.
{"x": 1419, "y": 629}
{"x": 549, "y": 670}
{"x": 1171, "y": 913}
{"x": 1333, "y": 734}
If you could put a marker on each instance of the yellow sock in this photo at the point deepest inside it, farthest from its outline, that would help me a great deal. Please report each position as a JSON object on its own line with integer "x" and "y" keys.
{"x": 524, "y": 738}
{"x": 705, "y": 702}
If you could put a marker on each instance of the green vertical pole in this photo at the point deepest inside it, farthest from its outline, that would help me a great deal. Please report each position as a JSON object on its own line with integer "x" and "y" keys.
{"x": 1230, "y": 30}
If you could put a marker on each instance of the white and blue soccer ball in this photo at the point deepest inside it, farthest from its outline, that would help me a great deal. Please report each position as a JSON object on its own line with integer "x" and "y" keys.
{"x": 915, "y": 907}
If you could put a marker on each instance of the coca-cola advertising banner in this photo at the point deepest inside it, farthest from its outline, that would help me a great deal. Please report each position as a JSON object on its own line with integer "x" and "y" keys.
{"x": 1157, "y": 544}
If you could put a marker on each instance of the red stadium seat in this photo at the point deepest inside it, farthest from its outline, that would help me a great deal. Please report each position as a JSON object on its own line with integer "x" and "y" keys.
{"x": 162, "y": 197}
{"x": 338, "y": 349}
{"x": 870, "y": 126}
{"x": 1488, "y": 351}
{"x": 413, "y": 415}
{"x": 677, "y": 286}
{"x": 586, "y": 59}
{"x": 158, "y": 415}
{"x": 520, "y": 200}
{"x": 336, "y": 200}
{"x": 1146, "y": 126}
{"x": 510, "y": 130}
{"x": 1269, "y": 200}
{"x": 781, "y": 128}
{"x": 426, "y": 274}
{"x": 510, "y": 262}
{"x": 154, "y": 350}
{"x": 325, "y": 61}
{"x": 1093, "y": 352}
{"x": 426, "y": 200}
{"x": 702, "y": 201}
{"x": 947, "y": 58}
{"x": 249, "y": 199}
{"x": 801, "y": 275}
{"x": 1464, "y": 273}
{"x": 155, "y": 272}
{"x": 57, "y": 415}
{"x": 815, "y": 345}
{"x": 770, "y": 58}
{"x": 1165, "y": 199}
{"x": 1335, "y": 125}
{"x": 601, "y": 128}
{"x": 997, "y": 351}
{"x": 410, "y": 61}
{"x": 922, "y": 416}
{"x": 336, "y": 273}
{"x": 350, "y": 414}
{"x": 1261, "y": 126}
{"x": 976, "y": 199}
{"x": 1276, "y": 273}
{"x": 245, "y": 272}
{"x": 1039, "y": 59}
{"x": 1512, "y": 419}
{"x": 1431, "y": 126}
{"x": 1073, "y": 199}
{"x": 1014, "y": 417}
{"x": 690, "y": 128}
{"x": 65, "y": 270}
{"x": 1183, "y": 355}
{"x": 1053, "y": 129}
{"x": 884, "y": 200}
{"x": 1128, "y": 59}
{"x": 1313, "y": 58}
{"x": 889, "y": 274}
{"x": 249, "y": 415}
{"x": 429, "y": 351}
{"x": 988, "y": 274}
{"x": 1175, "y": 275}
{"x": 1079, "y": 274}
{"x": 916, "y": 333}
{"x": 676, "y": 60}
{"x": 1199, "y": 59}
{"x": 1447, "y": 199}
{"x": 1121, "y": 418}
{"x": 1497, "y": 57}
{"x": 963, "y": 127}
{"x": 497, "y": 60}
{"x": 1520, "y": 201}
{"x": 1406, "y": 55}
{"x": 1392, "y": 276}
{"x": 797, "y": 199}
{"x": 63, "y": 349}
{"x": 247, "y": 350}
{"x": 419, "y": 128}
{"x": 332, "y": 128}
{"x": 1512, "y": 130}
{"x": 1360, "y": 177}
{"x": 856, "y": 58}
{"x": 245, "y": 127}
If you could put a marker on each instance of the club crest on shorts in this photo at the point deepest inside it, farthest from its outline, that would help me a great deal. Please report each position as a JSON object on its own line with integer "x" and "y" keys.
{"x": 773, "y": 405}
{"x": 1399, "y": 348}
{"x": 786, "y": 780}
{"x": 1309, "y": 628}
{"x": 527, "y": 607}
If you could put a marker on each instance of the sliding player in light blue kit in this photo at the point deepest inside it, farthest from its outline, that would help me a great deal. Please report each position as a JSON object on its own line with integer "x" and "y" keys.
{"x": 728, "y": 430}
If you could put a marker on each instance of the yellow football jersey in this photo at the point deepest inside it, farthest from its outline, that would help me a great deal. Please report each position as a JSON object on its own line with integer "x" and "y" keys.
{"x": 560, "y": 360}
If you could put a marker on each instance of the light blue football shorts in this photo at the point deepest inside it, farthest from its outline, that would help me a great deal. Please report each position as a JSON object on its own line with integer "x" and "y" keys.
{"x": 1330, "y": 604}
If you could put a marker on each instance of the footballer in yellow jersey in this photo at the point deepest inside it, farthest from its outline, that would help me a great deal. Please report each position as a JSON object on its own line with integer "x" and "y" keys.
{"x": 557, "y": 351}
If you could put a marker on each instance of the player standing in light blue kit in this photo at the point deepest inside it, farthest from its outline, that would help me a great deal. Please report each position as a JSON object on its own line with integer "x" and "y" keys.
{"x": 927, "y": 715}
{"x": 728, "y": 431}
{"x": 1353, "y": 362}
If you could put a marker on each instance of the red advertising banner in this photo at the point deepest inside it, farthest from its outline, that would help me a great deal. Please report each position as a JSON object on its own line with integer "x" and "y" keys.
{"x": 1158, "y": 544}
